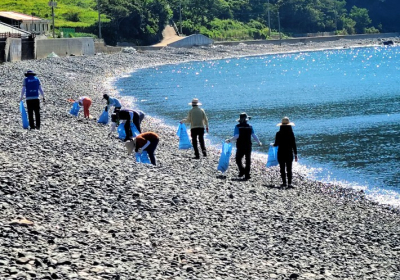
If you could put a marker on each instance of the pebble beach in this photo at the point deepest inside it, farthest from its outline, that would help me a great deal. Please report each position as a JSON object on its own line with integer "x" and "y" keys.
{"x": 75, "y": 205}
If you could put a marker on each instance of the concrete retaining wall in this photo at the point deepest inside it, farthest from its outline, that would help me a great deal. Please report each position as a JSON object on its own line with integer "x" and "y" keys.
{"x": 192, "y": 40}
{"x": 100, "y": 47}
{"x": 64, "y": 47}
{"x": 28, "y": 48}
{"x": 13, "y": 49}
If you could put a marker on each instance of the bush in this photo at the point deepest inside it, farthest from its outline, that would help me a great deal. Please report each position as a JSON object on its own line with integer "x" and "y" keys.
{"x": 82, "y": 34}
{"x": 230, "y": 30}
{"x": 371, "y": 30}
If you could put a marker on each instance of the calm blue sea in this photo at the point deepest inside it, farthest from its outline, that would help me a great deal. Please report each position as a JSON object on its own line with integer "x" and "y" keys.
{"x": 345, "y": 104}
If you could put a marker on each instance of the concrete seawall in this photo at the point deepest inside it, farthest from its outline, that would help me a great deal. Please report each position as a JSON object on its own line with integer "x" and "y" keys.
{"x": 15, "y": 49}
{"x": 64, "y": 47}
{"x": 192, "y": 40}
{"x": 310, "y": 39}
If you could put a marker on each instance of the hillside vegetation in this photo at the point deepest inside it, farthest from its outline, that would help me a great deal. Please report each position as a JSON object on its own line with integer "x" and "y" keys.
{"x": 142, "y": 21}
{"x": 68, "y": 13}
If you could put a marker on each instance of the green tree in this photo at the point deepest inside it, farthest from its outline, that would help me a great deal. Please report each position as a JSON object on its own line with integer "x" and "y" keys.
{"x": 361, "y": 18}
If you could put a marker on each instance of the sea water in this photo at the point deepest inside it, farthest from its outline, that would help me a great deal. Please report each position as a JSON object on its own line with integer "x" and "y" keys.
{"x": 344, "y": 103}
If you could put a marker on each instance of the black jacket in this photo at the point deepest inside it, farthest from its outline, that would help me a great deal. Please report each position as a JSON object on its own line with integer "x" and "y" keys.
{"x": 245, "y": 131}
{"x": 286, "y": 141}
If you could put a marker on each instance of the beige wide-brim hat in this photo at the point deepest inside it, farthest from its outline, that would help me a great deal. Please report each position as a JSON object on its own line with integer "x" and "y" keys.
{"x": 285, "y": 121}
{"x": 130, "y": 145}
{"x": 195, "y": 102}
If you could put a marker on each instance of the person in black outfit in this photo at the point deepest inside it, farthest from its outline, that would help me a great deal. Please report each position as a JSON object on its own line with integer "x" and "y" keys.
{"x": 286, "y": 142}
{"x": 128, "y": 115}
{"x": 242, "y": 134}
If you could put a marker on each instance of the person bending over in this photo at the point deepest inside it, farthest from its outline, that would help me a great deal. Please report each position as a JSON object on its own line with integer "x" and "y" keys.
{"x": 86, "y": 102}
{"x": 146, "y": 141}
{"x": 127, "y": 115}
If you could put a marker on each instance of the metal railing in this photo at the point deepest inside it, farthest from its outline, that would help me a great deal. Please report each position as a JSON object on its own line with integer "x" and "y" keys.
{"x": 10, "y": 35}
{"x": 172, "y": 23}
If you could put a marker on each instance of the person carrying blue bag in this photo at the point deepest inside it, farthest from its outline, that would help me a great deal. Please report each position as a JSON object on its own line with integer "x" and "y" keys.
{"x": 286, "y": 142}
{"x": 130, "y": 117}
{"x": 31, "y": 88}
{"x": 112, "y": 102}
{"x": 198, "y": 120}
{"x": 146, "y": 141}
{"x": 242, "y": 134}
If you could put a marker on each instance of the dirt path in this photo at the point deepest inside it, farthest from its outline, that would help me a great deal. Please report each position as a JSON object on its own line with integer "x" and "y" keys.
{"x": 169, "y": 36}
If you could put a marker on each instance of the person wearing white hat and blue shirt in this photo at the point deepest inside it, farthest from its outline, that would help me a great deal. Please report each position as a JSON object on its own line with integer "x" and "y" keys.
{"x": 31, "y": 88}
{"x": 286, "y": 142}
{"x": 242, "y": 134}
{"x": 198, "y": 120}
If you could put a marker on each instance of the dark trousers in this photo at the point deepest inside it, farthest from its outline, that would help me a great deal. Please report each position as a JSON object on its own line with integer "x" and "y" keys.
{"x": 246, "y": 153}
{"x": 33, "y": 106}
{"x": 124, "y": 115}
{"x": 151, "y": 149}
{"x": 198, "y": 132}
{"x": 136, "y": 121}
{"x": 286, "y": 162}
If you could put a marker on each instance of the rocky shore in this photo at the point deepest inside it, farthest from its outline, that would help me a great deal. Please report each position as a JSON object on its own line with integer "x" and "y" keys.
{"x": 74, "y": 205}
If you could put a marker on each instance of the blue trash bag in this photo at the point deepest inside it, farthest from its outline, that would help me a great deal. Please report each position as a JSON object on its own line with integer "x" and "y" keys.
{"x": 103, "y": 117}
{"x": 184, "y": 141}
{"x": 75, "y": 109}
{"x": 223, "y": 163}
{"x": 272, "y": 156}
{"x": 134, "y": 129}
{"x": 142, "y": 158}
{"x": 24, "y": 116}
{"x": 121, "y": 131}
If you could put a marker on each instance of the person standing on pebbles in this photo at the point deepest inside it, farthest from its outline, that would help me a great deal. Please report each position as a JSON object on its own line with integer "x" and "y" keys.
{"x": 286, "y": 142}
{"x": 117, "y": 106}
{"x": 146, "y": 141}
{"x": 31, "y": 88}
{"x": 242, "y": 134}
{"x": 198, "y": 120}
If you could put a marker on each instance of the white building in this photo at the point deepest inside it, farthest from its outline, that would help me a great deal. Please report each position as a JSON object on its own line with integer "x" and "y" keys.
{"x": 26, "y": 22}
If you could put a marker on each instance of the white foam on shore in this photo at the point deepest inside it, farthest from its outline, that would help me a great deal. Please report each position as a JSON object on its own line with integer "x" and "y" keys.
{"x": 381, "y": 194}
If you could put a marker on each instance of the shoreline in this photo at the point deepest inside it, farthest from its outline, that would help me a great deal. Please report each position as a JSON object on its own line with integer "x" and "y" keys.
{"x": 98, "y": 215}
{"x": 369, "y": 192}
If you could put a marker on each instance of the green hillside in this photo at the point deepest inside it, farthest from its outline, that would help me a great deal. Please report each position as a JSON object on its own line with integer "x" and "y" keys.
{"x": 142, "y": 21}
{"x": 68, "y": 13}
